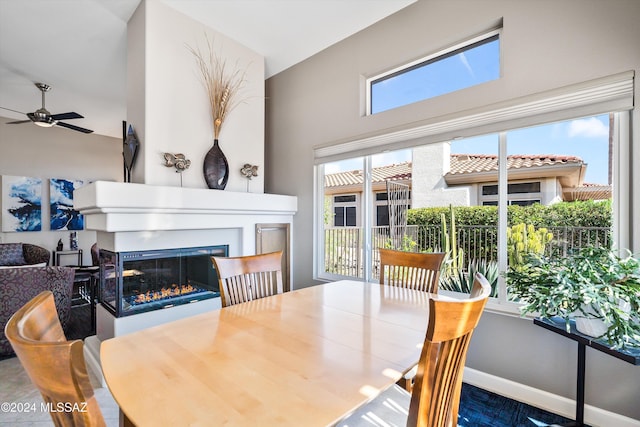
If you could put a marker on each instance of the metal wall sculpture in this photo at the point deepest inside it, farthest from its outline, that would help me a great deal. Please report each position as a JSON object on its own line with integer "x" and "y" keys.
{"x": 398, "y": 203}
{"x": 130, "y": 147}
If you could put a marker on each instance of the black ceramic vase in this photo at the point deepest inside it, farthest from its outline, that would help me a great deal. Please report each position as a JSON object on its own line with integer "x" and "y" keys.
{"x": 216, "y": 168}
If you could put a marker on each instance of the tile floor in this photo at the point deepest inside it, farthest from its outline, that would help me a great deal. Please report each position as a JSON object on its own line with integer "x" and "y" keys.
{"x": 15, "y": 387}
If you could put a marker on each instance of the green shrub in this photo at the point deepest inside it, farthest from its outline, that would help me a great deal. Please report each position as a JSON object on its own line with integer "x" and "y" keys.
{"x": 563, "y": 214}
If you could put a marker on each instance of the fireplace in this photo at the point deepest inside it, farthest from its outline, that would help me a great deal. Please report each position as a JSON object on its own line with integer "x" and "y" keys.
{"x": 130, "y": 217}
{"x": 143, "y": 281}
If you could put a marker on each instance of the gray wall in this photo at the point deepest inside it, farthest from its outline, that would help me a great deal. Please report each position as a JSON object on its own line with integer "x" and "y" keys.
{"x": 29, "y": 150}
{"x": 546, "y": 44}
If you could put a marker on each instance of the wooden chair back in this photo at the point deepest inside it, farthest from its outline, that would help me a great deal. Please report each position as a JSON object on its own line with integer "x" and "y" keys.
{"x": 247, "y": 278}
{"x": 436, "y": 391}
{"x": 411, "y": 270}
{"x": 56, "y": 366}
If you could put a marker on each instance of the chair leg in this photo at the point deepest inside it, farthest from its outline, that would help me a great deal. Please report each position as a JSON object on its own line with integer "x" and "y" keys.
{"x": 405, "y": 383}
{"x": 124, "y": 421}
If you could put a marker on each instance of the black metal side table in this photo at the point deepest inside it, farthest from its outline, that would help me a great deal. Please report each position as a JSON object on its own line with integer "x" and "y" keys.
{"x": 76, "y": 252}
{"x": 558, "y": 325}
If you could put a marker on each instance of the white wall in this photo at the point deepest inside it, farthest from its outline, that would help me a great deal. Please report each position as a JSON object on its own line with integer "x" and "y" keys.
{"x": 168, "y": 105}
{"x": 551, "y": 191}
{"x": 546, "y": 44}
{"x": 428, "y": 187}
{"x": 29, "y": 150}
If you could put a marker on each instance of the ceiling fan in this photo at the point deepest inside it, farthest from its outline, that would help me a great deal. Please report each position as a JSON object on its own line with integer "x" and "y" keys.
{"x": 42, "y": 117}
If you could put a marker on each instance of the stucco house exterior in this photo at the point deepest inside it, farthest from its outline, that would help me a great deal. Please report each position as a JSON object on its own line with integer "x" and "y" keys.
{"x": 463, "y": 180}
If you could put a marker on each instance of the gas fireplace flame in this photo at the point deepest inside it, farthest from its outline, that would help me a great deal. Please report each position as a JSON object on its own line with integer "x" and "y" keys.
{"x": 173, "y": 291}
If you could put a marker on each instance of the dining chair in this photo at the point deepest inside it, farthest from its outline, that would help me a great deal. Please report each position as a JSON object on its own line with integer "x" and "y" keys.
{"x": 413, "y": 270}
{"x": 246, "y": 278}
{"x": 56, "y": 366}
{"x": 435, "y": 398}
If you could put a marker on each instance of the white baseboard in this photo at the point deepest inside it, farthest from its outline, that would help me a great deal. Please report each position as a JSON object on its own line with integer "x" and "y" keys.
{"x": 593, "y": 416}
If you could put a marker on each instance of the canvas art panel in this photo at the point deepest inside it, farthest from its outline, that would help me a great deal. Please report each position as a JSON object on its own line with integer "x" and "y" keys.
{"x": 21, "y": 203}
{"x": 62, "y": 214}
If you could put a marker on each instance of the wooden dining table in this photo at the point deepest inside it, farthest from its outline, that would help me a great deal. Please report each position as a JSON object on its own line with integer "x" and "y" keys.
{"x": 306, "y": 357}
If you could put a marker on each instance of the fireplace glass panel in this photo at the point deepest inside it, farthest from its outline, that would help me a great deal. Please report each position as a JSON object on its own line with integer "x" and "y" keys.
{"x": 136, "y": 282}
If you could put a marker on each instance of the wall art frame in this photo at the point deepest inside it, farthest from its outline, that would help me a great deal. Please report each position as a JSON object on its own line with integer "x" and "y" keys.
{"x": 21, "y": 203}
{"x": 62, "y": 215}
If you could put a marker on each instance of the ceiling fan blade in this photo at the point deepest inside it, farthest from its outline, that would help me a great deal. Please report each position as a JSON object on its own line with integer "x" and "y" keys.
{"x": 72, "y": 127}
{"x": 18, "y": 122}
{"x": 15, "y": 111}
{"x": 66, "y": 116}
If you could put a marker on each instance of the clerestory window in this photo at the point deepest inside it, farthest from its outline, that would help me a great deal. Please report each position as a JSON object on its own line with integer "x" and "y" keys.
{"x": 467, "y": 64}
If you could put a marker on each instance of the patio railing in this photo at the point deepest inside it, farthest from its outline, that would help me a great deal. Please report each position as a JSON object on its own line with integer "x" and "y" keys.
{"x": 343, "y": 245}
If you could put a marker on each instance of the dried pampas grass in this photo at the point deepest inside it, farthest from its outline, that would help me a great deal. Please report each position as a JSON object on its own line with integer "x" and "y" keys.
{"x": 222, "y": 85}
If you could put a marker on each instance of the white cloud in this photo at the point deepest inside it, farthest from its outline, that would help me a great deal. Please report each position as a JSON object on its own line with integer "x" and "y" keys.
{"x": 343, "y": 165}
{"x": 466, "y": 64}
{"x": 390, "y": 158}
{"x": 590, "y": 128}
{"x": 332, "y": 168}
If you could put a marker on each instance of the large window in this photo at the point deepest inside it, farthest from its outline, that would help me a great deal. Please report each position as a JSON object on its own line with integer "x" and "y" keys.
{"x": 522, "y": 194}
{"x": 553, "y": 182}
{"x": 468, "y": 64}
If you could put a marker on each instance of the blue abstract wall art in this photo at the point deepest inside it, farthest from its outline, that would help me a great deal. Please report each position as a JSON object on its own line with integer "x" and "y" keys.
{"x": 63, "y": 216}
{"x": 21, "y": 203}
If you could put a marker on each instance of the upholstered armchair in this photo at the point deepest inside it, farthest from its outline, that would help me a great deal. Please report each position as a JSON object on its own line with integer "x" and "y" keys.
{"x": 18, "y": 285}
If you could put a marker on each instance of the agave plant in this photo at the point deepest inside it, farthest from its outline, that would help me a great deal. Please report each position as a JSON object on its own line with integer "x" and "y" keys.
{"x": 461, "y": 280}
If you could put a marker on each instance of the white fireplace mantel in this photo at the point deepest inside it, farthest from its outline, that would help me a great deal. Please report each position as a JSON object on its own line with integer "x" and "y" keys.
{"x": 131, "y": 217}
{"x": 117, "y": 206}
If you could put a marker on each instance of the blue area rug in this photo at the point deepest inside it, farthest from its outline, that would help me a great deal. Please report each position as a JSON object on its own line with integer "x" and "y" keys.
{"x": 482, "y": 408}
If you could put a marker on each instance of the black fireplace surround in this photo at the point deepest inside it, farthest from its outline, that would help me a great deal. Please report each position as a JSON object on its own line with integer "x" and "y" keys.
{"x": 142, "y": 281}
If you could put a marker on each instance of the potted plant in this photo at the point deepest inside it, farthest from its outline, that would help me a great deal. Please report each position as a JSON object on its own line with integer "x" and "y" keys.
{"x": 595, "y": 283}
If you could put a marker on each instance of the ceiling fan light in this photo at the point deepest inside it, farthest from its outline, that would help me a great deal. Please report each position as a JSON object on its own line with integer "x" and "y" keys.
{"x": 45, "y": 124}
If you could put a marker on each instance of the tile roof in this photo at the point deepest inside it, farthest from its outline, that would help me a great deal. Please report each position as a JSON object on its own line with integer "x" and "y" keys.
{"x": 394, "y": 172}
{"x": 472, "y": 163}
{"x": 588, "y": 192}
{"x": 460, "y": 164}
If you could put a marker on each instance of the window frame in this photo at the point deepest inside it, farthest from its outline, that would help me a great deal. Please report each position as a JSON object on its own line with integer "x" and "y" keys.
{"x": 613, "y": 93}
{"x": 428, "y": 59}
{"x": 535, "y": 197}
{"x": 620, "y": 220}
{"x": 345, "y": 205}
